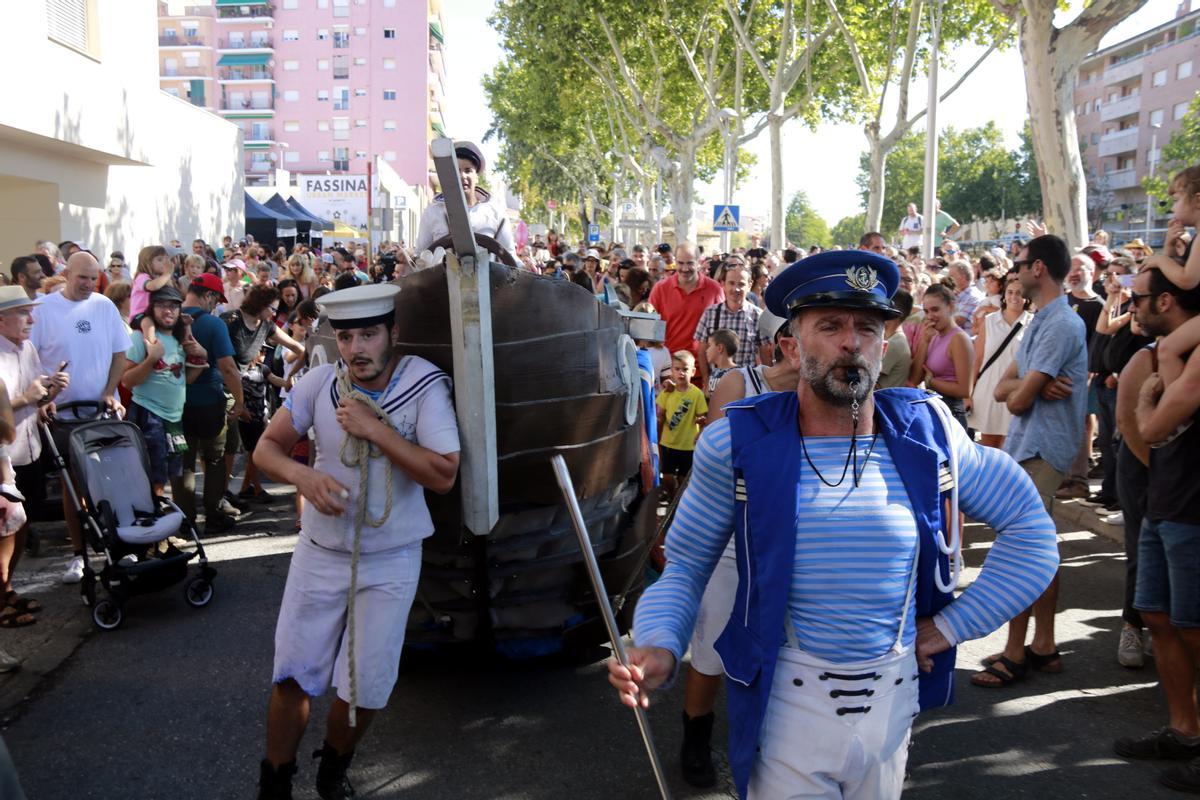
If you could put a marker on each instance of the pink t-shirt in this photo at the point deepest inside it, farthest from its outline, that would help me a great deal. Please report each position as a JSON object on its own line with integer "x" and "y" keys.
{"x": 139, "y": 300}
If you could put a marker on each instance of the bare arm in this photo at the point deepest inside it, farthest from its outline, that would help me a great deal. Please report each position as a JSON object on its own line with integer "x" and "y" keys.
{"x": 980, "y": 349}
{"x": 233, "y": 383}
{"x": 8, "y": 428}
{"x": 282, "y": 337}
{"x": 1026, "y": 391}
{"x": 154, "y": 284}
{"x": 136, "y": 374}
{"x": 1106, "y": 323}
{"x": 960, "y": 354}
{"x": 731, "y": 387}
{"x": 272, "y": 457}
{"x": 115, "y": 370}
{"x": 1159, "y": 413}
{"x": 1132, "y": 377}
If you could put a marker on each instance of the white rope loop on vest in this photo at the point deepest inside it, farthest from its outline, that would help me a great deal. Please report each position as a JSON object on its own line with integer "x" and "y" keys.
{"x": 357, "y": 452}
{"x": 954, "y": 547}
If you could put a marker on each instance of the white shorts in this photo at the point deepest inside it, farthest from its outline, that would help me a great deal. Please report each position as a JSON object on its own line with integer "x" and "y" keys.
{"x": 818, "y": 742}
{"x": 715, "y": 607}
{"x": 311, "y": 637}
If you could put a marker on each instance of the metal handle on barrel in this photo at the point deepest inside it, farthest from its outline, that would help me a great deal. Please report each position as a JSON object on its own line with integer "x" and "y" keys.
{"x": 614, "y": 634}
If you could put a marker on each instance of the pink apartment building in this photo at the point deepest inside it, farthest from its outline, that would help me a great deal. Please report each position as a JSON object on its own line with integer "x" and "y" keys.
{"x": 1129, "y": 99}
{"x": 317, "y": 86}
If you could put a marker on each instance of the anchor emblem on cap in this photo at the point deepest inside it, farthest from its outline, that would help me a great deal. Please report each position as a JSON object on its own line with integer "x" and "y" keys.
{"x": 864, "y": 279}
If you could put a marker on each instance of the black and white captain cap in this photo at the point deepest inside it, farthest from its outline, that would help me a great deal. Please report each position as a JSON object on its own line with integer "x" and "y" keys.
{"x": 360, "y": 306}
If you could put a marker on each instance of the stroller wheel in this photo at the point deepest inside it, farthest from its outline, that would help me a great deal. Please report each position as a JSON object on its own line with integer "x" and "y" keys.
{"x": 198, "y": 592}
{"x": 107, "y": 614}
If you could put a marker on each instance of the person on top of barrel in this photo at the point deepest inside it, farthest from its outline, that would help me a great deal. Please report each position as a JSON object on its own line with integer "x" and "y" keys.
{"x": 835, "y": 497}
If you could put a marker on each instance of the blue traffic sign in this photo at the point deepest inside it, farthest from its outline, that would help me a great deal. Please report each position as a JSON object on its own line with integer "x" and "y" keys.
{"x": 726, "y": 218}
{"x": 593, "y": 234}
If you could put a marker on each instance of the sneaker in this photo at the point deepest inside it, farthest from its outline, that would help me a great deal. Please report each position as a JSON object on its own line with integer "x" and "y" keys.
{"x": 8, "y": 663}
{"x": 1162, "y": 743}
{"x": 74, "y": 573}
{"x": 219, "y": 523}
{"x": 229, "y": 509}
{"x": 1129, "y": 649}
{"x": 1183, "y": 778}
{"x": 1072, "y": 491}
{"x": 236, "y": 501}
{"x": 1116, "y": 518}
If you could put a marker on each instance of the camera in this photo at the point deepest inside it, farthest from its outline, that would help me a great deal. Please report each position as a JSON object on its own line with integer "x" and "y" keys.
{"x": 387, "y": 262}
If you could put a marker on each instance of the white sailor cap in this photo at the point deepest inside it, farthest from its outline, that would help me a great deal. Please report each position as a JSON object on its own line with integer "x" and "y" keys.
{"x": 360, "y": 306}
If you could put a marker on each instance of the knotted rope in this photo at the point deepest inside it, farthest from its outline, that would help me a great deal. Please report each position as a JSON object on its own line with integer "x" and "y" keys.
{"x": 358, "y": 452}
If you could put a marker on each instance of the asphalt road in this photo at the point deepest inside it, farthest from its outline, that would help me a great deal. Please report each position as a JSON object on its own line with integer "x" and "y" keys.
{"x": 172, "y": 705}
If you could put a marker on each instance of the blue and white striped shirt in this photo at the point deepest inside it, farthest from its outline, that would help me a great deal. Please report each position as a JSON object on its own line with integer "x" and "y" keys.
{"x": 854, "y": 551}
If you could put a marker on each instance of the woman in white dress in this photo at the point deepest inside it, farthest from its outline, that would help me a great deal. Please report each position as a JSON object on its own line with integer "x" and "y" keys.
{"x": 987, "y": 416}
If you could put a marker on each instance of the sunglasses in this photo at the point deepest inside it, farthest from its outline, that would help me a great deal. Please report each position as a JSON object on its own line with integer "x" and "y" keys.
{"x": 1016, "y": 265}
{"x": 1134, "y": 297}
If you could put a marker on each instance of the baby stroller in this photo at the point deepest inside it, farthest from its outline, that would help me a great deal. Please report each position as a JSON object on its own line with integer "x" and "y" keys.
{"x": 121, "y": 518}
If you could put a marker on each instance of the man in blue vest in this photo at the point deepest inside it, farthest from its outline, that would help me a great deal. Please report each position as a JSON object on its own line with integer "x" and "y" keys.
{"x": 848, "y": 553}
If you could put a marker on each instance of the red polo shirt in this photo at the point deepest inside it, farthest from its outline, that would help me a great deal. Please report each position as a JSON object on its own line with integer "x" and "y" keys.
{"x": 682, "y": 310}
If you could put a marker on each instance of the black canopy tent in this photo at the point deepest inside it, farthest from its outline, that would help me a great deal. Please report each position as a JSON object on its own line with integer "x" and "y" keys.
{"x": 303, "y": 223}
{"x": 326, "y": 225}
{"x": 269, "y": 228}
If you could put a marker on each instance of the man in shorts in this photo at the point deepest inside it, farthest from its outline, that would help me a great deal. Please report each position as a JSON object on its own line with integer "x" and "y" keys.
{"x": 395, "y": 417}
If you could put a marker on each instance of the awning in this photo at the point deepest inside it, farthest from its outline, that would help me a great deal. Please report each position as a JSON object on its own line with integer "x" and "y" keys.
{"x": 242, "y": 2}
{"x": 244, "y": 60}
{"x": 435, "y": 30}
{"x": 438, "y": 129}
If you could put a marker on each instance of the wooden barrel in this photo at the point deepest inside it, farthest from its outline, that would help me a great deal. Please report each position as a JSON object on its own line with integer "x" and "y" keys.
{"x": 559, "y": 389}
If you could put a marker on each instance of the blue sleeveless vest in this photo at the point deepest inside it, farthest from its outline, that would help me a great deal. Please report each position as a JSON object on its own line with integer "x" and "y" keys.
{"x": 768, "y": 465}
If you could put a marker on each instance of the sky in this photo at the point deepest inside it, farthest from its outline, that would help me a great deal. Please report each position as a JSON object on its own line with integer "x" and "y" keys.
{"x": 822, "y": 162}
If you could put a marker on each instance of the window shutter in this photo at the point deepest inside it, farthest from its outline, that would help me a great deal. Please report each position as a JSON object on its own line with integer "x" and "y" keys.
{"x": 67, "y": 22}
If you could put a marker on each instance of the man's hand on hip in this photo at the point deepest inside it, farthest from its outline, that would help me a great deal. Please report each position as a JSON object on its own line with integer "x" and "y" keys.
{"x": 648, "y": 668}
{"x": 930, "y": 642}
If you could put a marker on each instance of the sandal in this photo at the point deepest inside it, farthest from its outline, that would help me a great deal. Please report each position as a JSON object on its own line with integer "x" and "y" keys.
{"x": 24, "y": 604}
{"x": 14, "y": 618}
{"x": 1016, "y": 672}
{"x": 1051, "y": 663}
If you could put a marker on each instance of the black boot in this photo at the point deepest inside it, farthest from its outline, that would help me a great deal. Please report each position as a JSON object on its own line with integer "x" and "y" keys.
{"x": 332, "y": 783}
{"x": 696, "y": 756}
{"x": 275, "y": 783}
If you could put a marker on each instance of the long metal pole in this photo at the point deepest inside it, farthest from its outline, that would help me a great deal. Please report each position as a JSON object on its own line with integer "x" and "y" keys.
{"x": 1153, "y": 169}
{"x": 614, "y": 634}
{"x": 931, "y": 132}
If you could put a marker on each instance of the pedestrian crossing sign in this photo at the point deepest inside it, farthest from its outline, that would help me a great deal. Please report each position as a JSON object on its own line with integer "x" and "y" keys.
{"x": 725, "y": 218}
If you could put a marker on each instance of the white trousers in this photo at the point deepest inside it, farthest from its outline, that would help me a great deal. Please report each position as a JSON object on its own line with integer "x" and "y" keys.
{"x": 715, "y": 607}
{"x": 311, "y": 637}
{"x": 836, "y": 730}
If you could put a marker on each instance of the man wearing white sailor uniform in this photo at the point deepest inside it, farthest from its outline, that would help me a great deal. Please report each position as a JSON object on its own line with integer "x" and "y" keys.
{"x": 842, "y": 503}
{"x": 385, "y": 430}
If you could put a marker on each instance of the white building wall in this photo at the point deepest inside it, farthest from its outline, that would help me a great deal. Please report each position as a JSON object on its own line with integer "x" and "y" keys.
{"x": 108, "y": 158}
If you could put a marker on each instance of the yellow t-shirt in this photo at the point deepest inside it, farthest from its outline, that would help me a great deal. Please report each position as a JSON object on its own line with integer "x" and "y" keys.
{"x": 681, "y": 429}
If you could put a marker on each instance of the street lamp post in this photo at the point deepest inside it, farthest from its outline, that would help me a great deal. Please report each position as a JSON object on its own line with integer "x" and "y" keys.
{"x": 1150, "y": 174}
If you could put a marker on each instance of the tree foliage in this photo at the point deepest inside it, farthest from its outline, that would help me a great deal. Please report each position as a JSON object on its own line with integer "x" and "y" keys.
{"x": 804, "y": 226}
{"x": 978, "y": 177}
{"x": 1181, "y": 150}
{"x": 848, "y": 230}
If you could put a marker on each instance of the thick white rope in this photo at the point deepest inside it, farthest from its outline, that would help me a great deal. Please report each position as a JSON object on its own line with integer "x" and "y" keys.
{"x": 358, "y": 452}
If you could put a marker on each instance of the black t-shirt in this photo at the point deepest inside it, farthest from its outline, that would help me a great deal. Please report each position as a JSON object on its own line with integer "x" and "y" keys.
{"x": 1088, "y": 309}
{"x": 247, "y": 344}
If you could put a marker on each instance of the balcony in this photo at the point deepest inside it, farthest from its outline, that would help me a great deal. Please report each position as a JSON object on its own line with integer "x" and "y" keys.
{"x": 244, "y": 10}
{"x": 1125, "y": 107}
{"x": 256, "y": 43}
{"x": 260, "y": 133}
{"x": 260, "y": 167}
{"x": 1119, "y": 179}
{"x": 231, "y": 75}
{"x": 188, "y": 11}
{"x": 247, "y": 104}
{"x": 183, "y": 72}
{"x": 1117, "y": 142}
{"x": 1125, "y": 71}
{"x": 182, "y": 41}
